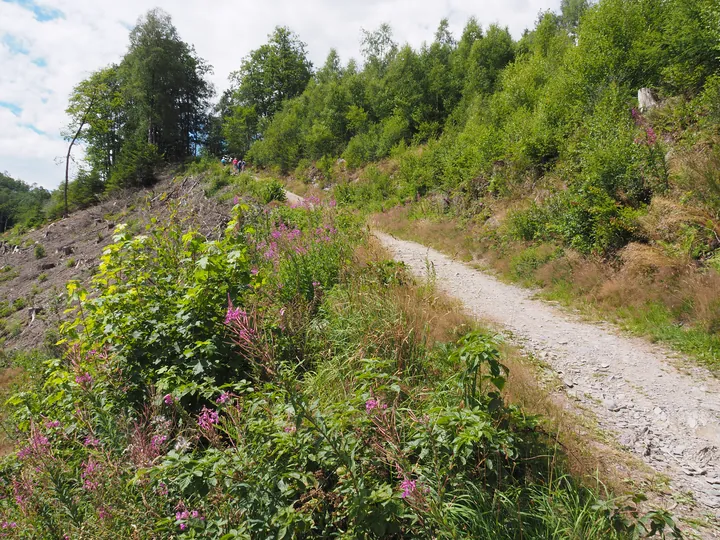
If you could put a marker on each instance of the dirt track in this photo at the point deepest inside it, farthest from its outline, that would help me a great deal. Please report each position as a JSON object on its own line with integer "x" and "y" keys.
{"x": 668, "y": 417}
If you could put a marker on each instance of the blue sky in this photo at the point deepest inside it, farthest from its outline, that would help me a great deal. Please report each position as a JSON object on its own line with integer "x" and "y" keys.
{"x": 47, "y": 46}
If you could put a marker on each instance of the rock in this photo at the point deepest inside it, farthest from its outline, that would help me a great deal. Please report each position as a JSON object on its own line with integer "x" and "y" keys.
{"x": 66, "y": 250}
{"x": 604, "y": 366}
{"x": 691, "y": 470}
{"x": 568, "y": 383}
{"x": 613, "y": 406}
{"x": 657, "y": 410}
{"x": 714, "y": 480}
{"x": 47, "y": 266}
{"x": 646, "y": 99}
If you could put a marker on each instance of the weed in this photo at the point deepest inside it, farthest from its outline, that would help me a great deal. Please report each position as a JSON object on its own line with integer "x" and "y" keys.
{"x": 39, "y": 251}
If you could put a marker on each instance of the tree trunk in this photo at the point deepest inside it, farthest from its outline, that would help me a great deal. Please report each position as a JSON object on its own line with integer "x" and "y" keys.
{"x": 67, "y": 158}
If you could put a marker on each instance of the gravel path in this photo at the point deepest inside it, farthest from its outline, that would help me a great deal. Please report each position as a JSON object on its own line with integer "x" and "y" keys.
{"x": 670, "y": 418}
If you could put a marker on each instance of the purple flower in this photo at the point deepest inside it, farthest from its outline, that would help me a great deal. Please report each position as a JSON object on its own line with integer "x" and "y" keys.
{"x": 195, "y": 514}
{"x": 651, "y": 137}
{"x": 236, "y": 200}
{"x": 52, "y": 424}
{"x": 91, "y": 441}
{"x": 182, "y": 515}
{"x": 91, "y": 468}
{"x": 223, "y": 398}
{"x": 168, "y": 399}
{"x": 290, "y": 429}
{"x": 183, "y": 526}
{"x": 254, "y": 271}
{"x": 157, "y": 441}
{"x": 371, "y": 404}
{"x": 84, "y": 379}
{"x": 408, "y": 488}
{"x": 207, "y": 418}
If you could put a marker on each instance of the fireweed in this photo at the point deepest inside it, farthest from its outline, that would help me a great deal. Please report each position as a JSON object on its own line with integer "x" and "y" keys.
{"x": 154, "y": 424}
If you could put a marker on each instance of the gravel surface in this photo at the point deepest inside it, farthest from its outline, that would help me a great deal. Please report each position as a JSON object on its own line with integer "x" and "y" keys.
{"x": 665, "y": 412}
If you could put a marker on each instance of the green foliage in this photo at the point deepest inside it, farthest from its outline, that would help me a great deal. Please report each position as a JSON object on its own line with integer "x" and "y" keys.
{"x": 261, "y": 370}
{"x": 20, "y": 204}
{"x": 39, "y": 251}
{"x": 150, "y": 107}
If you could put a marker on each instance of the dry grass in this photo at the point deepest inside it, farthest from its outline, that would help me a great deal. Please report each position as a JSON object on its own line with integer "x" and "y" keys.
{"x": 441, "y": 319}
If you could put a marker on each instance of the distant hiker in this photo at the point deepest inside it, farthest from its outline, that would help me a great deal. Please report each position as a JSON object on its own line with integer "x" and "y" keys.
{"x": 234, "y": 162}
{"x": 242, "y": 165}
{"x": 223, "y": 161}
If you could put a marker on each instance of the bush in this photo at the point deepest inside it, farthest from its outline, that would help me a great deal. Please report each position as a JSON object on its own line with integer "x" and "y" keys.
{"x": 39, "y": 251}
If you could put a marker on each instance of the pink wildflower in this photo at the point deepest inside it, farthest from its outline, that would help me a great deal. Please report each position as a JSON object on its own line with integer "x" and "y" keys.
{"x": 168, "y": 399}
{"x": 408, "y": 488}
{"x": 371, "y": 404}
{"x": 207, "y": 418}
{"x": 85, "y": 379}
{"x": 183, "y": 526}
{"x": 651, "y": 137}
{"x": 91, "y": 441}
{"x": 236, "y": 200}
{"x": 157, "y": 441}
{"x": 52, "y": 424}
{"x": 91, "y": 468}
{"x": 254, "y": 271}
{"x": 224, "y": 397}
{"x": 290, "y": 429}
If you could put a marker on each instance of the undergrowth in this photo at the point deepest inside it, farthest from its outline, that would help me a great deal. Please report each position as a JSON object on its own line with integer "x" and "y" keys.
{"x": 275, "y": 383}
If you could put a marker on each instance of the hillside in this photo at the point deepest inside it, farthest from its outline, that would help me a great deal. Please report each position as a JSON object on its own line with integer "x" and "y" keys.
{"x": 275, "y": 373}
{"x": 35, "y": 267}
{"x": 425, "y": 310}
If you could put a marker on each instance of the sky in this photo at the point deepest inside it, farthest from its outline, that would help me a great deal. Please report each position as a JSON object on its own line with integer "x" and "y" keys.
{"x": 48, "y": 46}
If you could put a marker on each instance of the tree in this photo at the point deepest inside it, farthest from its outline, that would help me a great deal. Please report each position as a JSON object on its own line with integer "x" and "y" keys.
{"x": 277, "y": 71}
{"x": 378, "y": 48}
{"x": 571, "y": 11}
{"x": 166, "y": 86}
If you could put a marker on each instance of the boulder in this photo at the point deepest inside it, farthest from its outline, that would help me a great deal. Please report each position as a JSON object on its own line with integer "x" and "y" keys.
{"x": 647, "y": 99}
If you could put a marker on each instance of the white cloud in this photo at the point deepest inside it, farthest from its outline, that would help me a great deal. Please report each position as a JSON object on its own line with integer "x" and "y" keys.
{"x": 93, "y": 33}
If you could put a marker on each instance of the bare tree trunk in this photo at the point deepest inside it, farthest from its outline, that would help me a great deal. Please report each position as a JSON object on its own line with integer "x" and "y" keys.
{"x": 67, "y": 158}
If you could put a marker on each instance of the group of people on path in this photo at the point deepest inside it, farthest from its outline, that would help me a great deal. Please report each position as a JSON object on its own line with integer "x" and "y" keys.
{"x": 238, "y": 164}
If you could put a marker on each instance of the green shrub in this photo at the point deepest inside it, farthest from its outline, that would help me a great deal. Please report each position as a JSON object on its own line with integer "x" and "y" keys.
{"x": 39, "y": 251}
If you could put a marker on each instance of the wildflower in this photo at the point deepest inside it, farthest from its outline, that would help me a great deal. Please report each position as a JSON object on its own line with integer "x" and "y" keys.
{"x": 84, "y": 379}
{"x": 316, "y": 284}
{"x": 223, "y": 398}
{"x": 207, "y": 418}
{"x": 89, "y": 475}
{"x": 195, "y": 514}
{"x": 183, "y": 526}
{"x": 24, "y": 452}
{"x": 371, "y": 404}
{"x": 408, "y": 488}
{"x": 236, "y": 200}
{"x": 168, "y": 399}
{"x": 290, "y": 429}
{"x": 651, "y": 137}
{"x": 182, "y": 515}
{"x": 91, "y": 441}
{"x": 234, "y": 314}
{"x": 157, "y": 441}
{"x": 103, "y": 513}
{"x": 254, "y": 271}
{"x": 162, "y": 489}
{"x": 52, "y": 424}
